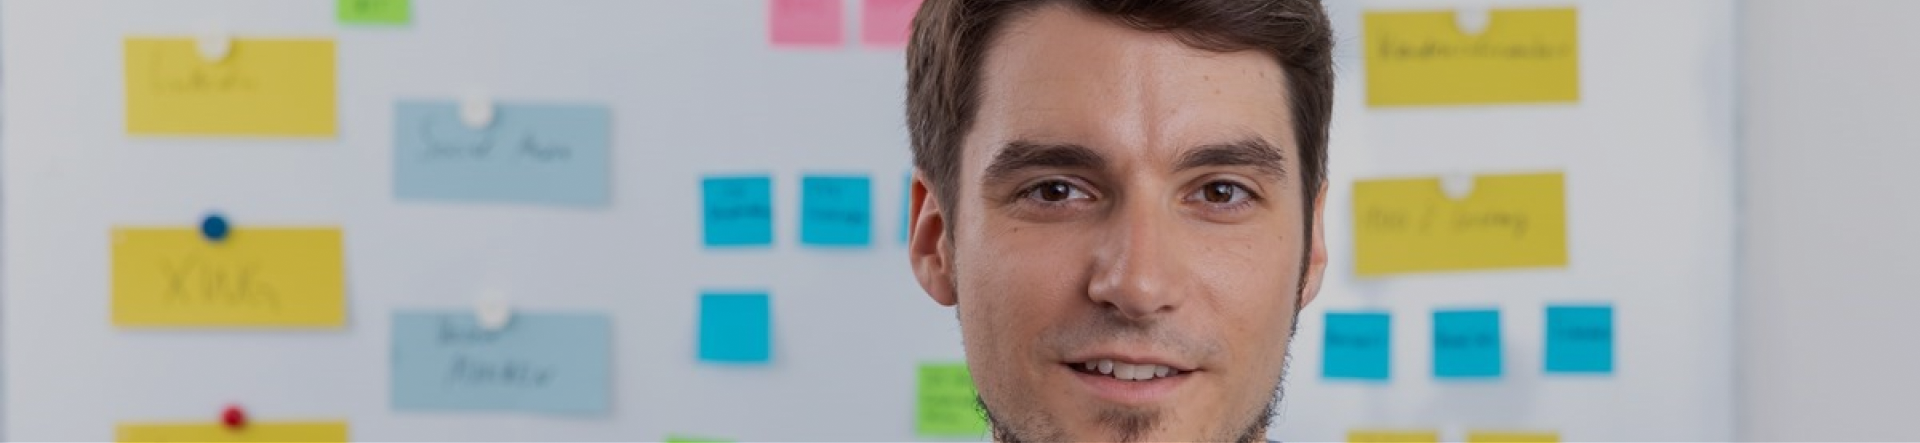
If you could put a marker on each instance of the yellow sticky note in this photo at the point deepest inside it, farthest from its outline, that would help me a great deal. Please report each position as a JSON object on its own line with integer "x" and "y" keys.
{"x": 1411, "y": 225}
{"x": 1422, "y": 58}
{"x": 266, "y": 277}
{"x": 1512, "y": 437}
{"x": 1392, "y": 436}
{"x": 263, "y": 87}
{"x": 304, "y": 432}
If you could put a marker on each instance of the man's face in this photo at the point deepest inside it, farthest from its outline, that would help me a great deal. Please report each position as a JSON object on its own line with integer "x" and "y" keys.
{"x": 1127, "y": 242}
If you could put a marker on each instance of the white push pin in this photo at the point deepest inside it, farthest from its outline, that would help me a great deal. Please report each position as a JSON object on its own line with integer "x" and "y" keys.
{"x": 476, "y": 110}
{"x": 492, "y": 311}
{"x": 1457, "y": 186}
{"x": 1472, "y": 20}
{"x": 214, "y": 43}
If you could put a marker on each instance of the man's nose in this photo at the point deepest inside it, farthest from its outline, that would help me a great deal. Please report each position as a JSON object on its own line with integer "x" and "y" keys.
{"x": 1139, "y": 268}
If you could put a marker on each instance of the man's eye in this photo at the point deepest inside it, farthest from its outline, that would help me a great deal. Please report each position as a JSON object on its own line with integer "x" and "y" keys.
{"x": 1221, "y": 192}
{"x": 1055, "y": 192}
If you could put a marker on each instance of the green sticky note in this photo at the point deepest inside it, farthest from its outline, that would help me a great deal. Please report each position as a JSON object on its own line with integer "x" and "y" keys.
{"x": 376, "y": 12}
{"x": 947, "y": 405}
{"x": 687, "y": 439}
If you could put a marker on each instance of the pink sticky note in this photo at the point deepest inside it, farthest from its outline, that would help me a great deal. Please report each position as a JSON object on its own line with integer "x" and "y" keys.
{"x": 887, "y": 22}
{"x": 804, "y": 22}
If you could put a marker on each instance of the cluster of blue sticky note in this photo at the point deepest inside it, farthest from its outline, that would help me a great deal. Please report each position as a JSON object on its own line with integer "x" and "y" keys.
{"x": 835, "y": 211}
{"x": 1467, "y": 343}
{"x": 736, "y": 327}
{"x": 549, "y": 363}
{"x": 551, "y": 154}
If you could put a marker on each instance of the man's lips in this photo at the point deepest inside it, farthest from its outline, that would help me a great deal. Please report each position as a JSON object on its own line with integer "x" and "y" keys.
{"x": 1128, "y": 383}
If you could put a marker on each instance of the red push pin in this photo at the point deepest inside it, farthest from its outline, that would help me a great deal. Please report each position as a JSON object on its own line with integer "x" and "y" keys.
{"x": 234, "y": 417}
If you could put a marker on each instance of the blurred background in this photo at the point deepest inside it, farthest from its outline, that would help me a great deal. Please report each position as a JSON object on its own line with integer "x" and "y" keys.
{"x": 644, "y": 220}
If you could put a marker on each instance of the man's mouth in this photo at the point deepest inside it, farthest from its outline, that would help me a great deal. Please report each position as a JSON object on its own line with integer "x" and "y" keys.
{"x": 1123, "y": 370}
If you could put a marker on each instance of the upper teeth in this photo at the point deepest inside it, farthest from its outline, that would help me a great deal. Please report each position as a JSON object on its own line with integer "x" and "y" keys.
{"x": 1126, "y": 371}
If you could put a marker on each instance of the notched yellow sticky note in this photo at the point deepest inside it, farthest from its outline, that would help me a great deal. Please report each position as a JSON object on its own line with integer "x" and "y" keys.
{"x": 264, "y": 87}
{"x": 1512, "y": 437}
{"x": 1392, "y": 436}
{"x": 1422, "y": 58}
{"x": 268, "y": 277}
{"x": 285, "y": 432}
{"x": 1507, "y": 221}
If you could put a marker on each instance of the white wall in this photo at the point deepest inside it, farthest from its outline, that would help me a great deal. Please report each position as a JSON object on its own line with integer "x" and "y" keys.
{"x": 1831, "y": 136}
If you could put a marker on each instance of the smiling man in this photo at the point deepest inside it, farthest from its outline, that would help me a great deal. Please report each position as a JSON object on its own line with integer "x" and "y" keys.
{"x": 1121, "y": 199}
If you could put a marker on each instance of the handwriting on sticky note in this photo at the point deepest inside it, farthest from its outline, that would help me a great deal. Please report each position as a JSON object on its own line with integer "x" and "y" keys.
{"x": 1392, "y": 436}
{"x": 1580, "y": 339}
{"x": 257, "y": 277}
{"x": 736, "y": 328}
{"x": 540, "y": 362}
{"x": 804, "y": 22}
{"x": 1417, "y": 58}
{"x": 887, "y": 23}
{"x": 1512, "y": 437}
{"x": 530, "y": 153}
{"x": 375, "y": 12}
{"x": 1358, "y": 346}
{"x": 738, "y": 210}
{"x": 836, "y": 211}
{"x": 946, "y": 404}
{"x": 270, "y": 431}
{"x": 1410, "y": 225}
{"x": 265, "y": 87}
{"x": 1466, "y": 343}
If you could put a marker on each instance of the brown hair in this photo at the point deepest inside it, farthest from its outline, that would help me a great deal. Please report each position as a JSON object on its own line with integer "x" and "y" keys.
{"x": 951, "y": 37}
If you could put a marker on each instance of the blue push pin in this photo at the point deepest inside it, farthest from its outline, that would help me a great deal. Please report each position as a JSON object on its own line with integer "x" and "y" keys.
{"x": 214, "y": 227}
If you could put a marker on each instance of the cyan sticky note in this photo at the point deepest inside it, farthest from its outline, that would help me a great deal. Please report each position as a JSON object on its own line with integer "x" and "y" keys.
{"x": 735, "y": 328}
{"x": 836, "y": 211}
{"x": 1466, "y": 343}
{"x": 1580, "y": 339}
{"x": 804, "y": 22}
{"x": 906, "y": 208}
{"x": 1358, "y": 346}
{"x": 547, "y": 154}
{"x": 738, "y": 211}
{"x": 540, "y": 362}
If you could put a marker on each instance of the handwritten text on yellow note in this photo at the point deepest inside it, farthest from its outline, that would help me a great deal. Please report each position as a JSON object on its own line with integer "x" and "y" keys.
{"x": 285, "y": 432}
{"x": 1512, "y": 437}
{"x": 264, "y": 87}
{"x": 1420, "y": 58}
{"x": 1411, "y": 225}
{"x": 267, "y": 277}
{"x": 1392, "y": 436}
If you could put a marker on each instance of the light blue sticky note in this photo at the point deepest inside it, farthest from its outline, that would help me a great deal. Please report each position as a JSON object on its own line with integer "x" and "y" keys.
{"x": 1466, "y": 343}
{"x": 906, "y": 208}
{"x": 735, "y": 328}
{"x": 544, "y": 363}
{"x": 1358, "y": 346}
{"x": 1580, "y": 339}
{"x": 738, "y": 211}
{"x": 543, "y": 154}
{"x": 836, "y": 211}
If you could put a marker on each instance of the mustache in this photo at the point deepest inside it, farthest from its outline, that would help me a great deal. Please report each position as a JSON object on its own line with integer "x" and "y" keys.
{"x": 1107, "y": 326}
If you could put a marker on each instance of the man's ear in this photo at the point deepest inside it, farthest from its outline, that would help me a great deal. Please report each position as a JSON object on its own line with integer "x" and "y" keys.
{"x": 1317, "y": 257}
{"x": 928, "y": 245}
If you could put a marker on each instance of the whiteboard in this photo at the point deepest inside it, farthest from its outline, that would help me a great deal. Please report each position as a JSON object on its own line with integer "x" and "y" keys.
{"x": 695, "y": 90}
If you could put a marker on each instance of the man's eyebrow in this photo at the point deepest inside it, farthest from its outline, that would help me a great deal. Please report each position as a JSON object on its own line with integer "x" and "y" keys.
{"x": 1250, "y": 152}
{"x": 1023, "y": 155}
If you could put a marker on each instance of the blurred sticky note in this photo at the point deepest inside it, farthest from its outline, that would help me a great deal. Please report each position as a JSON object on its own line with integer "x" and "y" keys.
{"x": 1392, "y": 436}
{"x": 1580, "y": 339}
{"x": 546, "y": 154}
{"x": 1512, "y": 437}
{"x": 736, "y": 328}
{"x": 1422, "y": 58}
{"x": 887, "y": 22}
{"x": 264, "y": 87}
{"x": 1358, "y": 346}
{"x": 836, "y": 211}
{"x": 1466, "y": 343}
{"x": 256, "y": 277}
{"x": 375, "y": 12}
{"x": 737, "y": 210}
{"x": 540, "y": 362}
{"x": 804, "y": 22}
{"x": 263, "y": 431}
{"x": 689, "y": 439}
{"x": 1507, "y": 221}
{"x": 946, "y": 405}
{"x": 906, "y": 209}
